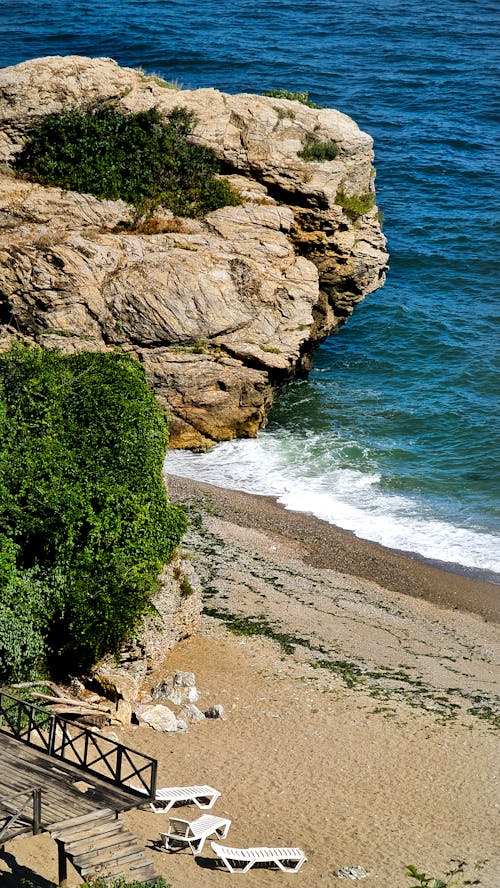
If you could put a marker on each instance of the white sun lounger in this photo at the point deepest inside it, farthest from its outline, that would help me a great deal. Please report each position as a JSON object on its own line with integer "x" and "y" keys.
{"x": 289, "y": 860}
{"x": 202, "y": 796}
{"x": 194, "y": 832}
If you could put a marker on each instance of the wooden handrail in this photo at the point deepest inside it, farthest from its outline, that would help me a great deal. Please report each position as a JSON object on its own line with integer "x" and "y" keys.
{"x": 15, "y": 813}
{"x": 33, "y": 725}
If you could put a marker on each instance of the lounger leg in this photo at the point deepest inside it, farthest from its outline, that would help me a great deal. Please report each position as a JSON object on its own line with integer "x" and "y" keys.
{"x": 233, "y": 869}
{"x": 204, "y": 804}
{"x": 161, "y": 809}
{"x": 172, "y": 845}
{"x": 222, "y": 831}
{"x": 196, "y": 845}
{"x": 248, "y": 866}
{"x": 290, "y": 869}
{"x": 225, "y": 861}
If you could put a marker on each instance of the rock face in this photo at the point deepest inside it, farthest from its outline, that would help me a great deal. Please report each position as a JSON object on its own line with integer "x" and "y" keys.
{"x": 221, "y": 311}
{"x": 177, "y": 615}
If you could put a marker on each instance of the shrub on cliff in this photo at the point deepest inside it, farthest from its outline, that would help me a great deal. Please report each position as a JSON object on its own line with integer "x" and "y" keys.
{"x": 85, "y": 524}
{"x": 355, "y": 205}
{"x": 141, "y": 158}
{"x": 317, "y": 149}
{"x": 302, "y": 97}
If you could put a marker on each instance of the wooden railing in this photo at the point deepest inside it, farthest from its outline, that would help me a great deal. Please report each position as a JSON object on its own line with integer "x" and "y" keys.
{"x": 16, "y": 814}
{"x": 108, "y": 759}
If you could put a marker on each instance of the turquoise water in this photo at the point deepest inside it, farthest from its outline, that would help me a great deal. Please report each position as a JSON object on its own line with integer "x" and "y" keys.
{"x": 395, "y": 434}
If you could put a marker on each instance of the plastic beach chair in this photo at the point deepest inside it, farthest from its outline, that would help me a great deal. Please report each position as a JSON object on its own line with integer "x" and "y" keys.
{"x": 194, "y": 832}
{"x": 202, "y": 796}
{"x": 240, "y": 860}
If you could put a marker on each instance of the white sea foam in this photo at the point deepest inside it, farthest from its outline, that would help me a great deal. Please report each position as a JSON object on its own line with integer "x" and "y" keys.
{"x": 346, "y": 497}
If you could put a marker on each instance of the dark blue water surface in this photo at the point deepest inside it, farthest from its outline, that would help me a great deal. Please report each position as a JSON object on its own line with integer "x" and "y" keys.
{"x": 395, "y": 434}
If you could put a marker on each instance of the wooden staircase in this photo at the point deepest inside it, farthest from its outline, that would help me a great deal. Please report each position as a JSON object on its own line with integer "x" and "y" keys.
{"x": 98, "y": 844}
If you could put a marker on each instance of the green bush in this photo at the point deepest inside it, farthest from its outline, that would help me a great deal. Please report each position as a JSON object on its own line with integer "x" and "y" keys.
{"x": 356, "y": 205}
{"x": 302, "y": 97}
{"x": 101, "y": 882}
{"x": 85, "y": 524}
{"x": 111, "y": 882}
{"x": 24, "y": 600}
{"x": 141, "y": 158}
{"x": 318, "y": 149}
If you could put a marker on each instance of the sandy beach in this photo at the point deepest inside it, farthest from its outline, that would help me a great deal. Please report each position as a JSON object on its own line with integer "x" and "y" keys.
{"x": 360, "y": 700}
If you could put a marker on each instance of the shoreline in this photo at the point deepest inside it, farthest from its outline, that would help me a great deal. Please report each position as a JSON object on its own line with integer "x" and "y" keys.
{"x": 331, "y": 547}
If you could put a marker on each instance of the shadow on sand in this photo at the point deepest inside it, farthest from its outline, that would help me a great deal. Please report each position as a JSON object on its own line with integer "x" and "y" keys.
{"x": 20, "y": 876}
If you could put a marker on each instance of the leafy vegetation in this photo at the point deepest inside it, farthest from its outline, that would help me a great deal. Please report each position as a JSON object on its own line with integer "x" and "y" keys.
{"x": 101, "y": 882}
{"x": 104, "y": 882}
{"x": 355, "y": 205}
{"x": 318, "y": 149}
{"x": 140, "y": 158}
{"x": 284, "y": 115}
{"x": 85, "y": 524}
{"x": 455, "y": 877}
{"x": 302, "y": 97}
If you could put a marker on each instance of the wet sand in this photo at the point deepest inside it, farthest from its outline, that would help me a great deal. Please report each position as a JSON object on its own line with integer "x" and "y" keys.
{"x": 331, "y": 547}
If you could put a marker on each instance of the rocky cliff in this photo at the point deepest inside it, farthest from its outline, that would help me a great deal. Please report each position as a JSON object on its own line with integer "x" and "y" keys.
{"x": 222, "y": 311}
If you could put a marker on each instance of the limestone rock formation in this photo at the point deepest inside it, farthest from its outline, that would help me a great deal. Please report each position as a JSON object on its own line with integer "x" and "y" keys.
{"x": 177, "y": 615}
{"x": 222, "y": 311}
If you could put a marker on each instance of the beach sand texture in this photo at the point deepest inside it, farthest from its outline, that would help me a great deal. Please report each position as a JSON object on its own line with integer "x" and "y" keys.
{"x": 361, "y": 729}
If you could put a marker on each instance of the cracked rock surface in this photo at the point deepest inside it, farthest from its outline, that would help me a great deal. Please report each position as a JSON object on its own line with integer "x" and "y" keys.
{"x": 222, "y": 311}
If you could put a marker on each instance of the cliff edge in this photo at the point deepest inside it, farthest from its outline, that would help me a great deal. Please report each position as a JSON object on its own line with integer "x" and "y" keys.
{"x": 222, "y": 311}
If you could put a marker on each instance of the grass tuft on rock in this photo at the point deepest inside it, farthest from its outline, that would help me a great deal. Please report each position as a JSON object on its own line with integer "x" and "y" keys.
{"x": 317, "y": 149}
{"x": 355, "y": 205}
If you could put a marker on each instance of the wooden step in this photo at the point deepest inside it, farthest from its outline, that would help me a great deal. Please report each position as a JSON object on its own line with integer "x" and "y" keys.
{"x": 115, "y": 867}
{"x": 136, "y": 868}
{"x": 103, "y": 849}
{"x": 100, "y": 844}
{"x": 106, "y": 840}
{"x": 109, "y": 830}
{"x": 72, "y": 834}
{"x": 98, "y": 814}
{"x": 108, "y": 826}
{"x": 144, "y": 874}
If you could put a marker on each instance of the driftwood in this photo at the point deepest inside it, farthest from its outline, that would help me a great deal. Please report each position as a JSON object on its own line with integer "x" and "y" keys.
{"x": 86, "y": 716}
{"x": 70, "y": 701}
{"x": 35, "y": 684}
{"x": 81, "y": 711}
{"x": 59, "y": 703}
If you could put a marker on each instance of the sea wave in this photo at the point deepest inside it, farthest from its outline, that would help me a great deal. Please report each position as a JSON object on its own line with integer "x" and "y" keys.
{"x": 348, "y": 498}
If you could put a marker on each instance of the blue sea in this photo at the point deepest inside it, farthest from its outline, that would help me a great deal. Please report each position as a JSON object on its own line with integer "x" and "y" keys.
{"x": 395, "y": 433}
